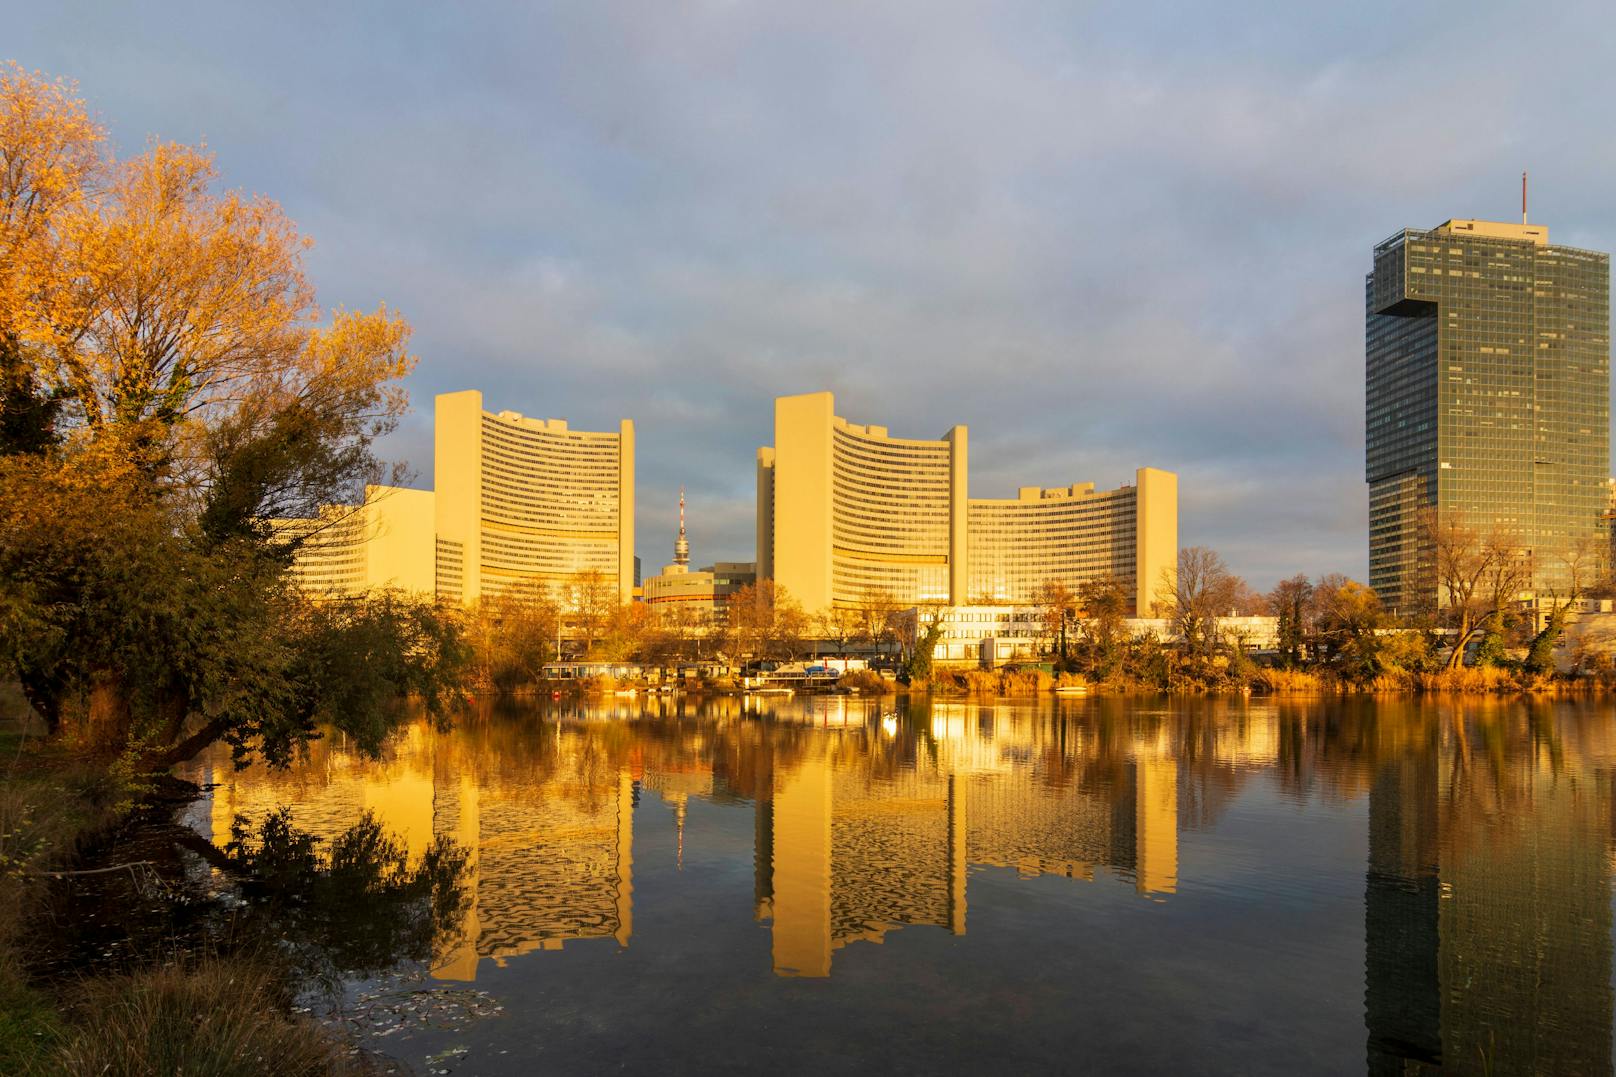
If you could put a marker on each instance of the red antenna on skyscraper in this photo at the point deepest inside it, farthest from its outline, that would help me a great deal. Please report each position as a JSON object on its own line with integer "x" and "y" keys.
{"x": 1523, "y": 197}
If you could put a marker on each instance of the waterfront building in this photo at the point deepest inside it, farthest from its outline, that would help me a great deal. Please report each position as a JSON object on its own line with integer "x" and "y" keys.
{"x": 1487, "y": 398}
{"x": 1610, "y": 520}
{"x": 385, "y": 542}
{"x": 980, "y": 635}
{"x": 848, "y": 514}
{"x": 528, "y": 504}
{"x": 996, "y": 635}
{"x": 1258, "y": 632}
{"x": 845, "y": 511}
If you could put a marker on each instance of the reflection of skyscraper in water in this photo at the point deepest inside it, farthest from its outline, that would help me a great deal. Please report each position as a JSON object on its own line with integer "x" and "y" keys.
{"x": 548, "y": 868}
{"x": 843, "y": 857}
{"x": 958, "y": 851}
{"x": 328, "y": 799}
{"x": 1125, "y": 817}
{"x": 549, "y": 861}
{"x": 1156, "y": 826}
{"x": 1402, "y": 987}
{"x": 1487, "y": 920}
{"x": 401, "y": 799}
{"x": 459, "y": 960}
{"x": 801, "y": 874}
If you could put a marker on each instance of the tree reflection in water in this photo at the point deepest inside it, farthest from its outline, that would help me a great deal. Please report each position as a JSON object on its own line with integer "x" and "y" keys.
{"x": 359, "y": 908}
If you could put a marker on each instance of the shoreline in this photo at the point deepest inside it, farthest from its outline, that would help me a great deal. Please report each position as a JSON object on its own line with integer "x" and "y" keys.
{"x": 1470, "y": 682}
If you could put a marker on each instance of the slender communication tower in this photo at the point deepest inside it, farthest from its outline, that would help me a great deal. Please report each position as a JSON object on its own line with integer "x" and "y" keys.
{"x": 681, "y": 546}
{"x": 1523, "y": 197}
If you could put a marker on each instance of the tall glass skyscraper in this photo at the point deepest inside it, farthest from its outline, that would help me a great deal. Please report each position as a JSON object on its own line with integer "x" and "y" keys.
{"x": 1487, "y": 362}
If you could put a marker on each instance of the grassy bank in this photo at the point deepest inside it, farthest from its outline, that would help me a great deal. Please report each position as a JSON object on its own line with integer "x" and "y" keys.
{"x": 174, "y": 1014}
{"x": 1470, "y": 680}
{"x": 50, "y": 808}
{"x": 1010, "y": 682}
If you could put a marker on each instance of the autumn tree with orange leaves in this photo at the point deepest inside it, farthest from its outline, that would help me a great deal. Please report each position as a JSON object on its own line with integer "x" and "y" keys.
{"x": 169, "y": 385}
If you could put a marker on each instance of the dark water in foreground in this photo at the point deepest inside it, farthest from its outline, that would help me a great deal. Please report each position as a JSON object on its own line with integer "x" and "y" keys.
{"x": 1127, "y": 886}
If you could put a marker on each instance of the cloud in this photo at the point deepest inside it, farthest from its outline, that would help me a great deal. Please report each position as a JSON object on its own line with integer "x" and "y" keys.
{"x": 1103, "y": 236}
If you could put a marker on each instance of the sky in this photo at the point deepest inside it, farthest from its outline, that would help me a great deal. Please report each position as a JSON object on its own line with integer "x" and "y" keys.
{"x": 1103, "y": 236}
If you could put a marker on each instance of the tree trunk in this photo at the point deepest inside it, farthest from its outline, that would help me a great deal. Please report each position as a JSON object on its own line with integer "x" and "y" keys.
{"x": 1466, "y": 631}
{"x": 190, "y": 746}
{"x": 109, "y": 713}
{"x": 173, "y": 706}
{"x": 44, "y": 694}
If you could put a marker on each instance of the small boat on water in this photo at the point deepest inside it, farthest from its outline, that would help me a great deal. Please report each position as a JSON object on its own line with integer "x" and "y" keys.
{"x": 1072, "y": 690}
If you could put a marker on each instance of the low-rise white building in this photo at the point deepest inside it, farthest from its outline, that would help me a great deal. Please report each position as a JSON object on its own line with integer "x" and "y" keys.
{"x": 980, "y": 635}
{"x": 1249, "y": 633}
{"x": 995, "y": 635}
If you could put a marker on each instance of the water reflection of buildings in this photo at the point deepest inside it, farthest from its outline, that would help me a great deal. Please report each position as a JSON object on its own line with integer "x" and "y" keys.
{"x": 1487, "y": 901}
{"x": 844, "y": 855}
{"x": 866, "y": 820}
{"x": 1487, "y": 911}
{"x": 551, "y": 858}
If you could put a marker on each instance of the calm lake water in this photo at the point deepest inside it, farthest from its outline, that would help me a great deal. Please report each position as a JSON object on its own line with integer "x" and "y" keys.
{"x": 827, "y": 884}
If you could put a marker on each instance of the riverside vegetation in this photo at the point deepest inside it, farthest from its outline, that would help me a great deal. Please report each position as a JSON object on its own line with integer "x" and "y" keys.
{"x": 1333, "y": 635}
{"x": 169, "y": 388}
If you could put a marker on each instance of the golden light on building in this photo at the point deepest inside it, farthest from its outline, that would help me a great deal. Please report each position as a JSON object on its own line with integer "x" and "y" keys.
{"x": 386, "y": 542}
{"x": 528, "y": 504}
{"x": 846, "y": 511}
{"x": 1073, "y": 534}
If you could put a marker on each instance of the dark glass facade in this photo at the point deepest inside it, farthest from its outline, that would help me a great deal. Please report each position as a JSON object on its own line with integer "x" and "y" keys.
{"x": 1487, "y": 397}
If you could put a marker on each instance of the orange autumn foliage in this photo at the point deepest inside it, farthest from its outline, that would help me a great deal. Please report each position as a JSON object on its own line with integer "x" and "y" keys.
{"x": 169, "y": 385}
{"x": 155, "y": 305}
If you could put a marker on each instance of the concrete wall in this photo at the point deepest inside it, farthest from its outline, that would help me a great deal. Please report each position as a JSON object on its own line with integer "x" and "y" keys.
{"x": 1156, "y": 554}
{"x": 625, "y": 511}
{"x": 801, "y": 557}
{"x": 400, "y": 551}
{"x": 457, "y": 463}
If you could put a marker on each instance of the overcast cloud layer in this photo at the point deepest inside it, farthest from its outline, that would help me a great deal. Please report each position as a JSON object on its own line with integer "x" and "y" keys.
{"x": 1102, "y": 236}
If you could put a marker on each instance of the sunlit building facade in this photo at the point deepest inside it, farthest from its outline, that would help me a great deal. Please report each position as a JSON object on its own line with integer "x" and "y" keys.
{"x": 384, "y": 543}
{"x": 1073, "y": 534}
{"x": 1487, "y": 363}
{"x": 979, "y": 635}
{"x": 847, "y": 512}
{"x": 526, "y": 505}
{"x": 700, "y": 596}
